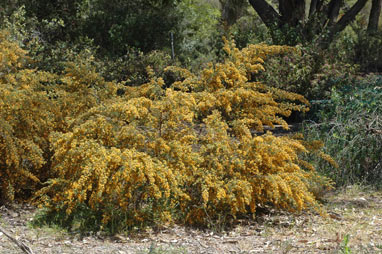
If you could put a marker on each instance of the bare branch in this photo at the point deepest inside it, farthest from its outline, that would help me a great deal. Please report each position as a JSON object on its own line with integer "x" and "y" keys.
{"x": 21, "y": 245}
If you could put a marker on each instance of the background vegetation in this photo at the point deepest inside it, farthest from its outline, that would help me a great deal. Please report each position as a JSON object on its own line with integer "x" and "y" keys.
{"x": 140, "y": 112}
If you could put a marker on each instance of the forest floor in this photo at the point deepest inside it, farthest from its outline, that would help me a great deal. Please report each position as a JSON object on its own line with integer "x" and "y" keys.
{"x": 353, "y": 225}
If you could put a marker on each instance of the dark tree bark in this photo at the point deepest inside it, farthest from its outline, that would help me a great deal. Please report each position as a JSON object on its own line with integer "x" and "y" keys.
{"x": 345, "y": 20}
{"x": 232, "y": 10}
{"x": 267, "y": 13}
{"x": 375, "y": 13}
{"x": 292, "y": 12}
{"x": 334, "y": 10}
{"x": 322, "y": 17}
{"x": 313, "y": 7}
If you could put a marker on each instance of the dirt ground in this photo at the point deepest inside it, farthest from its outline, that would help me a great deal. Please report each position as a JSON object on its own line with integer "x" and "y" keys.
{"x": 353, "y": 225}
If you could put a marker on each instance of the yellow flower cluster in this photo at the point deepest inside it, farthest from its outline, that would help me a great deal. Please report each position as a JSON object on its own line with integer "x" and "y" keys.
{"x": 186, "y": 152}
{"x": 34, "y": 104}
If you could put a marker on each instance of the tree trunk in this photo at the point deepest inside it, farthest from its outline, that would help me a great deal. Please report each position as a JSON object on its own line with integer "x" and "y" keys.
{"x": 232, "y": 10}
{"x": 375, "y": 13}
{"x": 321, "y": 17}
{"x": 333, "y": 11}
{"x": 345, "y": 20}
{"x": 267, "y": 13}
{"x": 292, "y": 12}
{"x": 315, "y": 6}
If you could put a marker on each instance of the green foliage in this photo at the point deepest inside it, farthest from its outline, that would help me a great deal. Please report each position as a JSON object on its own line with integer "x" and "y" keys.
{"x": 131, "y": 68}
{"x": 37, "y": 38}
{"x": 342, "y": 49}
{"x": 356, "y": 46}
{"x": 198, "y": 30}
{"x": 249, "y": 29}
{"x": 193, "y": 40}
{"x": 344, "y": 248}
{"x": 288, "y": 35}
{"x": 141, "y": 24}
{"x": 57, "y": 21}
{"x": 368, "y": 51}
{"x": 113, "y": 26}
{"x": 53, "y": 56}
{"x": 307, "y": 71}
{"x": 350, "y": 126}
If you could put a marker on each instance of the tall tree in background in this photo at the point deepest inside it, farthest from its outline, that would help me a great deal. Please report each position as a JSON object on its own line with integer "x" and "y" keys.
{"x": 323, "y": 19}
{"x": 114, "y": 25}
{"x": 375, "y": 13}
{"x": 232, "y": 10}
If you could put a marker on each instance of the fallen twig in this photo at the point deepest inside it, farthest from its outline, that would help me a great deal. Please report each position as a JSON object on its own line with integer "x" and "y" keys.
{"x": 20, "y": 244}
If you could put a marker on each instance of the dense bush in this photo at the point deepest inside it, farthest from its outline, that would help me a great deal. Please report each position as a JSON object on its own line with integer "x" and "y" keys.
{"x": 33, "y": 104}
{"x": 131, "y": 68}
{"x": 350, "y": 125}
{"x": 184, "y": 151}
{"x": 249, "y": 29}
{"x": 23, "y": 130}
{"x": 112, "y": 25}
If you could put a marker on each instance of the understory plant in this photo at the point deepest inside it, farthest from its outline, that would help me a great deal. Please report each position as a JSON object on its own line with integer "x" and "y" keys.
{"x": 350, "y": 125}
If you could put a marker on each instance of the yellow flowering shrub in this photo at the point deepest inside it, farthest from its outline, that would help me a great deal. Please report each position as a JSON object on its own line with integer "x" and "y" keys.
{"x": 186, "y": 153}
{"x": 33, "y": 104}
{"x": 24, "y": 122}
{"x": 189, "y": 152}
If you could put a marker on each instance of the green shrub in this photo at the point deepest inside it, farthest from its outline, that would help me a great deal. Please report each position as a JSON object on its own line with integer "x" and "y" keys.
{"x": 356, "y": 46}
{"x": 350, "y": 125}
{"x": 368, "y": 51}
{"x": 249, "y": 29}
{"x": 198, "y": 29}
{"x": 131, "y": 68}
{"x": 308, "y": 71}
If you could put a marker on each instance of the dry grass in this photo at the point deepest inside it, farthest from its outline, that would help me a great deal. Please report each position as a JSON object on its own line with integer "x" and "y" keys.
{"x": 354, "y": 212}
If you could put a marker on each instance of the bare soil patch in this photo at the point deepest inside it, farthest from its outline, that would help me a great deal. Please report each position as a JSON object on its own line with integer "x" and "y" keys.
{"x": 352, "y": 213}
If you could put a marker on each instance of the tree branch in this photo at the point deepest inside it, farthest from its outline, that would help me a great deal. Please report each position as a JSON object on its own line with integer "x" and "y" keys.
{"x": 345, "y": 20}
{"x": 21, "y": 245}
{"x": 315, "y": 5}
{"x": 267, "y": 13}
{"x": 349, "y": 16}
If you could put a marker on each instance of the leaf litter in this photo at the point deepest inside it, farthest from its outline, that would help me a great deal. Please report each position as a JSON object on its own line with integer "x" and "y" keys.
{"x": 353, "y": 213}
